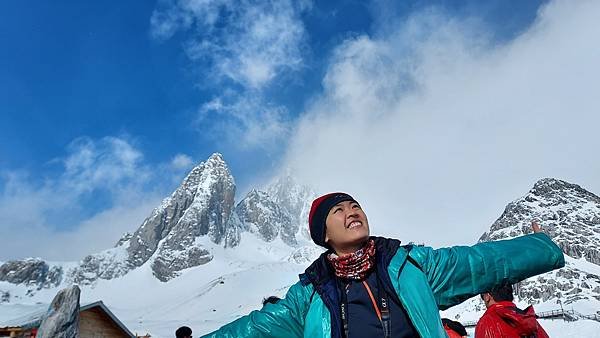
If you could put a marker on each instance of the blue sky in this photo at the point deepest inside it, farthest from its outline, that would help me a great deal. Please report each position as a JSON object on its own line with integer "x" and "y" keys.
{"x": 104, "y": 103}
{"x": 78, "y": 69}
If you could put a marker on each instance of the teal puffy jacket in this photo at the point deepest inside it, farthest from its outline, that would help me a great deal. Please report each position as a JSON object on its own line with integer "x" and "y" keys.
{"x": 425, "y": 281}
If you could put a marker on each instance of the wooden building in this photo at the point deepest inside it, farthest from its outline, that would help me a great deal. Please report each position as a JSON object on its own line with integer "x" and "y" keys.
{"x": 95, "y": 321}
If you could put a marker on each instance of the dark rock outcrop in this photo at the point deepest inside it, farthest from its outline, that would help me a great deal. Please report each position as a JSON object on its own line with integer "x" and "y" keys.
{"x": 171, "y": 262}
{"x": 31, "y": 272}
{"x": 62, "y": 318}
{"x": 4, "y": 296}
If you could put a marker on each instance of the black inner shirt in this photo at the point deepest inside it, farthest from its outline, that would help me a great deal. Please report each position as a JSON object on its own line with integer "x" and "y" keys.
{"x": 362, "y": 316}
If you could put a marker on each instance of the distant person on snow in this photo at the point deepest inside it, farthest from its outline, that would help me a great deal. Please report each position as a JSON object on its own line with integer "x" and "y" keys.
{"x": 503, "y": 319}
{"x": 183, "y": 332}
{"x": 271, "y": 300}
{"x": 454, "y": 329}
{"x": 365, "y": 286}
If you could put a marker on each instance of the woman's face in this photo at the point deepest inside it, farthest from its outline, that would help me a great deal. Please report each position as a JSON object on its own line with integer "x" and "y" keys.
{"x": 346, "y": 227}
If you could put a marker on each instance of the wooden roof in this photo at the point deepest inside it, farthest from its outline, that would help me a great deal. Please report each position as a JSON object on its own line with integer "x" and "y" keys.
{"x": 34, "y": 319}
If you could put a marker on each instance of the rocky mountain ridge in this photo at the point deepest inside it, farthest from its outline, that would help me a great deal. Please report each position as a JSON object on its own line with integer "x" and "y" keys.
{"x": 170, "y": 239}
{"x": 570, "y": 215}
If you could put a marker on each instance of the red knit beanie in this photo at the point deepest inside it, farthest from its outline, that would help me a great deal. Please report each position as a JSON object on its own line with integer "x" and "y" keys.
{"x": 318, "y": 214}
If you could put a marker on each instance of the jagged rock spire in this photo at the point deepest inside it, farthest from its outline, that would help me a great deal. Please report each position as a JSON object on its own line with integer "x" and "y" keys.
{"x": 200, "y": 207}
{"x": 260, "y": 215}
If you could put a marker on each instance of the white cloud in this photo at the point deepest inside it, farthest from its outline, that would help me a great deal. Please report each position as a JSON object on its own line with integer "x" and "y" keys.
{"x": 181, "y": 161}
{"x": 56, "y": 217}
{"x": 269, "y": 45}
{"x": 242, "y": 48}
{"x": 246, "y": 121}
{"x": 107, "y": 163}
{"x": 99, "y": 232}
{"x": 435, "y": 128}
{"x": 249, "y": 43}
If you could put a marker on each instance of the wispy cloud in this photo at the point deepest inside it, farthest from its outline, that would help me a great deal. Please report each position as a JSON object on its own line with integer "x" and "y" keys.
{"x": 181, "y": 161}
{"x": 251, "y": 122}
{"x": 241, "y": 48}
{"x": 103, "y": 188}
{"x": 108, "y": 164}
{"x": 436, "y": 128}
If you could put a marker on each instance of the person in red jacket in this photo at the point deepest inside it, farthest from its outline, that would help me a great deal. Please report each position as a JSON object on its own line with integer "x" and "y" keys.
{"x": 454, "y": 329}
{"x": 503, "y": 319}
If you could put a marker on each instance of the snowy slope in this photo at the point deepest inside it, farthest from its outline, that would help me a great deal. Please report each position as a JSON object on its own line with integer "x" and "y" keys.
{"x": 230, "y": 285}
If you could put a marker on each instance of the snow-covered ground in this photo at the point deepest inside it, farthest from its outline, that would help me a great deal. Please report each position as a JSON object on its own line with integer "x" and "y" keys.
{"x": 204, "y": 298}
{"x": 577, "y": 329}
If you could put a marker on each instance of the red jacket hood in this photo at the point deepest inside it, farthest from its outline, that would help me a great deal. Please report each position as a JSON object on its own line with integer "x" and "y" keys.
{"x": 523, "y": 321}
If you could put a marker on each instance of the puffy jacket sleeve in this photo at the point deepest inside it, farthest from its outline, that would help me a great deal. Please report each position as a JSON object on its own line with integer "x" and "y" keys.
{"x": 458, "y": 273}
{"x": 284, "y": 319}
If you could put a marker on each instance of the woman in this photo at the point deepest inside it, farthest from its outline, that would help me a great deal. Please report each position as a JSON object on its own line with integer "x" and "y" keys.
{"x": 454, "y": 329}
{"x": 365, "y": 286}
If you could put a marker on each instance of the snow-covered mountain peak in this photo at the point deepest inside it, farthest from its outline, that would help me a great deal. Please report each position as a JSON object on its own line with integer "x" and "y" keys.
{"x": 201, "y": 206}
{"x": 204, "y": 173}
{"x": 260, "y": 215}
{"x": 167, "y": 240}
{"x": 216, "y": 160}
{"x": 570, "y": 215}
{"x": 184, "y": 229}
{"x": 293, "y": 197}
{"x": 552, "y": 188}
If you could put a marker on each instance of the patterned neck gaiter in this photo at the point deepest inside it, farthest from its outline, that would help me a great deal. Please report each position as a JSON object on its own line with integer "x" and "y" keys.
{"x": 356, "y": 265}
